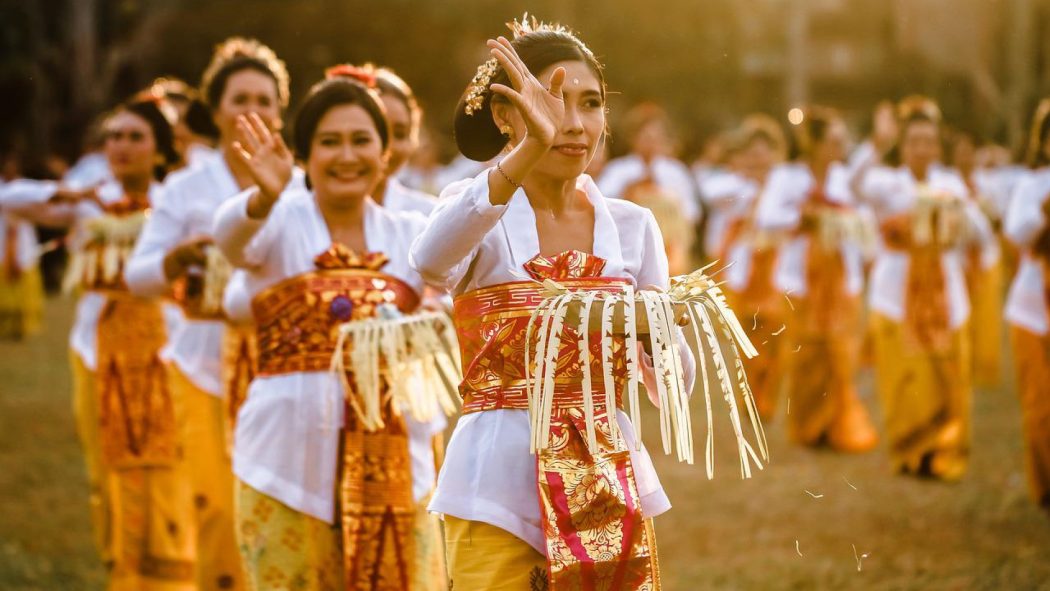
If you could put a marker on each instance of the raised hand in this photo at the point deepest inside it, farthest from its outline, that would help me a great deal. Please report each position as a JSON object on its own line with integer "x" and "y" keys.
{"x": 265, "y": 155}
{"x": 541, "y": 106}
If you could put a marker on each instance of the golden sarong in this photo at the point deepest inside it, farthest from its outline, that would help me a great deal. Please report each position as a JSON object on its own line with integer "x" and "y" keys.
{"x": 925, "y": 396}
{"x": 1032, "y": 354}
{"x": 21, "y": 304}
{"x": 826, "y": 336}
{"x": 151, "y": 527}
{"x": 596, "y": 535}
{"x": 240, "y": 361}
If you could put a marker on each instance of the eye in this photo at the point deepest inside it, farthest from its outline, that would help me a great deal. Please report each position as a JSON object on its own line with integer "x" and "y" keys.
{"x": 329, "y": 141}
{"x": 239, "y": 99}
{"x": 592, "y": 103}
{"x": 362, "y": 139}
{"x": 137, "y": 136}
{"x": 264, "y": 101}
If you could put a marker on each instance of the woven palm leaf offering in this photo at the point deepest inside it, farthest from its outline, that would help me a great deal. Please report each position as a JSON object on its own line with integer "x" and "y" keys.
{"x": 408, "y": 360}
{"x": 632, "y": 318}
{"x": 106, "y": 244}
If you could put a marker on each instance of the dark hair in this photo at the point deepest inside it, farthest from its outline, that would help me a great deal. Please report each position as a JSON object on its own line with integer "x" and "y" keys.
{"x": 163, "y": 136}
{"x": 199, "y": 120}
{"x": 236, "y": 54}
{"x": 477, "y": 135}
{"x": 1038, "y": 135}
{"x": 388, "y": 83}
{"x": 814, "y": 127}
{"x": 328, "y": 94}
{"x": 912, "y": 110}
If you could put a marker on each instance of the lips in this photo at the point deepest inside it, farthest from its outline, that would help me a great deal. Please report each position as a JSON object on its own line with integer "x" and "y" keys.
{"x": 572, "y": 150}
{"x": 348, "y": 176}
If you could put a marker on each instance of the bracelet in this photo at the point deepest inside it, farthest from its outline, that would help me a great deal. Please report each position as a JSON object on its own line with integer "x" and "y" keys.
{"x": 505, "y": 176}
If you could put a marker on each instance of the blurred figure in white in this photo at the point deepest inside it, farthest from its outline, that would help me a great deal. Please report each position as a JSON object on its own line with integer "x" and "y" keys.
{"x": 651, "y": 177}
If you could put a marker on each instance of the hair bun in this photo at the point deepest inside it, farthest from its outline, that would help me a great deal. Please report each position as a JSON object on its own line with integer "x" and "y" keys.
{"x": 477, "y": 136}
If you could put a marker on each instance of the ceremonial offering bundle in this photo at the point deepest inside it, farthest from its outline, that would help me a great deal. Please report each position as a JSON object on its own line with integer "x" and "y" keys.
{"x": 109, "y": 240}
{"x": 639, "y": 317}
{"x": 201, "y": 292}
{"x": 411, "y": 360}
{"x": 939, "y": 219}
{"x": 836, "y": 226}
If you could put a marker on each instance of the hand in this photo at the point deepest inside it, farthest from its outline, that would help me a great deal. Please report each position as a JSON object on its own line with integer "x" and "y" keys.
{"x": 72, "y": 196}
{"x": 186, "y": 254}
{"x": 264, "y": 154}
{"x": 542, "y": 107}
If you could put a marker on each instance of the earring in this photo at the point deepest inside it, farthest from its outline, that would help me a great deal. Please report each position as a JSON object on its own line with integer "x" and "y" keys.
{"x": 506, "y": 130}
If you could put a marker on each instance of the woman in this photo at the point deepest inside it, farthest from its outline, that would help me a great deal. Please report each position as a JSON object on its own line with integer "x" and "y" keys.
{"x": 752, "y": 252}
{"x": 313, "y": 258}
{"x": 1028, "y": 307}
{"x": 540, "y": 101}
{"x": 651, "y": 177}
{"x": 405, "y": 117}
{"x": 984, "y": 265}
{"x": 174, "y": 251}
{"x": 21, "y": 284}
{"x": 821, "y": 269}
{"x": 142, "y": 506}
{"x": 919, "y": 300}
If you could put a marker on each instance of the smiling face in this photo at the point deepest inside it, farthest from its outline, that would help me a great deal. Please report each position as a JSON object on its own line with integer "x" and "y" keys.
{"x": 346, "y": 157}
{"x": 130, "y": 147}
{"x": 920, "y": 146}
{"x": 247, "y": 91}
{"x": 404, "y": 135}
{"x": 832, "y": 147}
{"x": 581, "y": 128}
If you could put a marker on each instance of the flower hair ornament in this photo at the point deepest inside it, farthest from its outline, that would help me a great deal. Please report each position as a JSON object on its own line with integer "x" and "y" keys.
{"x": 479, "y": 84}
{"x": 364, "y": 75}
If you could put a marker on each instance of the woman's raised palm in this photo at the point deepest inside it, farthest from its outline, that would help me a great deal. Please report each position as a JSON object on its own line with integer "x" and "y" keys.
{"x": 542, "y": 107}
{"x": 267, "y": 158}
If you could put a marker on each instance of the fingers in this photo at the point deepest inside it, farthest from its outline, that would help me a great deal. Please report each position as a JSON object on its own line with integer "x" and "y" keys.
{"x": 280, "y": 147}
{"x": 512, "y": 95}
{"x": 244, "y": 155}
{"x": 557, "y": 80}
{"x": 249, "y": 140}
{"x": 499, "y": 52}
{"x": 261, "y": 129}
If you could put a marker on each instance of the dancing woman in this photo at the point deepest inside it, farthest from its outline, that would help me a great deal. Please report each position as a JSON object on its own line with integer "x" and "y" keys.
{"x": 311, "y": 259}
{"x": 513, "y": 521}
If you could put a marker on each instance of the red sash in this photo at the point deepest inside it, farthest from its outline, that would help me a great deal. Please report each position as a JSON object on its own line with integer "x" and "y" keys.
{"x": 596, "y": 535}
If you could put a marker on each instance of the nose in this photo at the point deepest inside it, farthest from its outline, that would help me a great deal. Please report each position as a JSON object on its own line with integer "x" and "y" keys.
{"x": 346, "y": 153}
{"x": 572, "y": 123}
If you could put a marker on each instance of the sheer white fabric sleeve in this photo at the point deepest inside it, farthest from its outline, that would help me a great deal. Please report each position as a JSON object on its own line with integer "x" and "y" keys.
{"x": 987, "y": 241}
{"x": 464, "y": 215}
{"x": 722, "y": 189}
{"x": 1024, "y": 216}
{"x": 776, "y": 210}
{"x": 30, "y": 200}
{"x": 164, "y": 229}
{"x": 243, "y": 240}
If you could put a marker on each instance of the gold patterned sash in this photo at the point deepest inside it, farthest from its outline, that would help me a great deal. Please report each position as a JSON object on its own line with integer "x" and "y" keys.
{"x": 136, "y": 416}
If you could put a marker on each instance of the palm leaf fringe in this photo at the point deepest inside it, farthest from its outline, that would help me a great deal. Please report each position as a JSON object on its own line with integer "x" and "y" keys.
{"x": 719, "y": 345}
{"x": 416, "y": 356}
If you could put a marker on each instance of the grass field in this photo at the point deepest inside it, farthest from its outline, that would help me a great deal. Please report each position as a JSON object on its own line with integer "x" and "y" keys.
{"x": 806, "y": 522}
